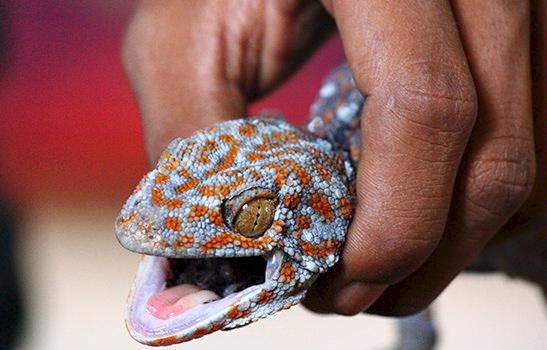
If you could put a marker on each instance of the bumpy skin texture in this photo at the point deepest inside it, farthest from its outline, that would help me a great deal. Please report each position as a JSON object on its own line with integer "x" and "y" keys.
{"x": 179, "y": 209}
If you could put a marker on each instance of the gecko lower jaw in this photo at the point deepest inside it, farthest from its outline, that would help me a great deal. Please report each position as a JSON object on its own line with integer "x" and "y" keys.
{"x": 173, "y": 297}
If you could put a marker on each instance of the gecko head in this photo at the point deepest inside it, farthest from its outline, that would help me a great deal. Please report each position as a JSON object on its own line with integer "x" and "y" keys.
{"x": 235, "y": 223}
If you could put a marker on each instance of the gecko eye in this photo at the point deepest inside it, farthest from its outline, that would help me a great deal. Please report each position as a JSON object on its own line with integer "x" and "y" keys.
{"x": 251, "y": 212}
{"x": 254, "y": 217}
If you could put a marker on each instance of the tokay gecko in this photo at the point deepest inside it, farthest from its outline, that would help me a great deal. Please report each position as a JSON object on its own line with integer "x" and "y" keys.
{"x": 238, "y": 220}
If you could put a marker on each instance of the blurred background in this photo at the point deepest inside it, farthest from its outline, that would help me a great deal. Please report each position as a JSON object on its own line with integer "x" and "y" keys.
{"x": 71, "y": 151}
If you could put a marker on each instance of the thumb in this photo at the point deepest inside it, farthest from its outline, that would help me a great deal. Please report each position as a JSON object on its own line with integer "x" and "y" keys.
{"x": 173, "y": 60}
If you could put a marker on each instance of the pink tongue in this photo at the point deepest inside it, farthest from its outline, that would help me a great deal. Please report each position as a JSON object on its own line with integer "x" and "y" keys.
{"x": 176, "y": 300}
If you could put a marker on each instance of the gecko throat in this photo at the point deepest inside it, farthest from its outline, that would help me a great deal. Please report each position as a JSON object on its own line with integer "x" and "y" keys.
{"x": 223, "y": 276}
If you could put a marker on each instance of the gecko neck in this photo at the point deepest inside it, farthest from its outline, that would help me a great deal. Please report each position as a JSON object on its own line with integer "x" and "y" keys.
{"x": 336, "y": 113}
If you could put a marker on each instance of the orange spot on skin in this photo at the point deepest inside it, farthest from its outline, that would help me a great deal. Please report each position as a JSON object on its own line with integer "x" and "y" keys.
{"x": 188, "y": 185}
{"x": 207, "y": 191}
{"x": 346, "y": 208}
{"x": 291, "y": 201}
{"x": 209, "y": 173}
{"x": 197, "y": 211}
{"x": 247, "y": 130}
{"x": 203, "y": 158}
{"x": 172, "y": 223}
{"x": 183, "y": 241}
{"x": 240, "y": 180}
{"x": 263, "y": 148}
{"x": 157, "y": 196}
{"x": 185, "y": 173}
{"x": 285, "y": 137}
{"x": 303, "y": 176}
{"x": 200, "y": 332}
{"x": 222, "y": 190}
{"x": 301, "y": 173}
{"x": 226, "y": 238}
{"x": 165, "y": 341}
{"x": 171, "y": 164}
{"x": 173, "y": 204}
{"x": 351, "y": 188}
{"x": 278, "y": 226}
{"x": 232, "y": 172}
{"x": 287, "y": 273}
{"x": 189, "y": 148}
{"x": 279, "y": 180}
{"x": 278, "y": 168}
{"x": 210, "y": 145}
{"x": 280, "y": 174}
{"x": 252, "y": 157}
{"x": 303, "y": 222}
{"x": 226, "y": 138}
{"x": 216, "y": 218}
{"x": 322, "y": 172}
{"x": 160, "y": 178}
{"x": 324, "y": 248}
{"x": 228, "y": 159}
{"x": 281, "y": 153}
{"x": 255, "y": 174}
{"x": 235, "y": 313}
{"x": 321, "y": 205}
{"x": 127, "y": 219}
{"x": 264, "y": 297}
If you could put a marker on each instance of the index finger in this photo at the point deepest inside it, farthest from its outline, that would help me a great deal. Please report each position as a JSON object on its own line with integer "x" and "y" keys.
{"x": 420, "y": 109}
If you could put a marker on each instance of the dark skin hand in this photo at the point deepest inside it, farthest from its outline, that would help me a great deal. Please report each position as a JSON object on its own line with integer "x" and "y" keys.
{"x": 456, "y": 120}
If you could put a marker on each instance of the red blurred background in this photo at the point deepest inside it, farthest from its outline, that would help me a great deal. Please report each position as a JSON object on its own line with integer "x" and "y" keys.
{"x": 70, "y": 129}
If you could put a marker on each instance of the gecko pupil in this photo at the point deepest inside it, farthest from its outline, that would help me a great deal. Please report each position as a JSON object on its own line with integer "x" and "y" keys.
{"x": 255, "y": 217}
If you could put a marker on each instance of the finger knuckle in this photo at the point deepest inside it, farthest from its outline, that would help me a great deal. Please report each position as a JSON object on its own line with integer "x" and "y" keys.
{"x": 390, "y": 259}
{"x": 431, "y": 95}
{"x": 500, "y": 183}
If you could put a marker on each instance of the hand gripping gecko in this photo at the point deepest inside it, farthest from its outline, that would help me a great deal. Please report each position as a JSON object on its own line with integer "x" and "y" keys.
{"x": 237, "y": 221}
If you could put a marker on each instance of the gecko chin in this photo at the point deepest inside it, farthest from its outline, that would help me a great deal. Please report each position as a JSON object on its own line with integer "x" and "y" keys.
{"x": 172, "y": 300}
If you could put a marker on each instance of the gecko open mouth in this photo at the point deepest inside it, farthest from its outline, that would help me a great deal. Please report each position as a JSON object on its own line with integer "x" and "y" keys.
{"x": 170, "y": 295}
{"x": 191, "y": 282}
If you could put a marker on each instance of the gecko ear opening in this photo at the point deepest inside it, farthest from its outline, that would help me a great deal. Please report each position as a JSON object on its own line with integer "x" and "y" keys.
{"x": 250, "y": 213}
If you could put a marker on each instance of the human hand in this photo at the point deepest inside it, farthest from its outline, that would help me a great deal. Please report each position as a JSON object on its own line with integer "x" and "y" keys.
{"x": 449, "y": 140}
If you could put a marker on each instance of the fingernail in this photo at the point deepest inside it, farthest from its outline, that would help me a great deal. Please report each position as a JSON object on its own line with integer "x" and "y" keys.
{"x": 357, "y": 297}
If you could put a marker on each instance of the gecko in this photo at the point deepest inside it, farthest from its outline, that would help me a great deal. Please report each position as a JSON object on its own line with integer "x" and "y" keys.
{"x": 237, "y": 221}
